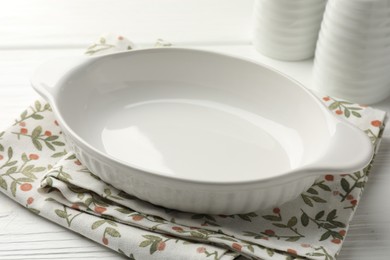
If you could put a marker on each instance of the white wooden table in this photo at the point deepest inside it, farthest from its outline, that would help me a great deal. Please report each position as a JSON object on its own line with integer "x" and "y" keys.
{"x": 36, "y": 30}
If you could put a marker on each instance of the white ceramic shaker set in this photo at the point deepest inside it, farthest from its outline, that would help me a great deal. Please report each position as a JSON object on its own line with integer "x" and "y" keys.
{"x": 349, "y": 38}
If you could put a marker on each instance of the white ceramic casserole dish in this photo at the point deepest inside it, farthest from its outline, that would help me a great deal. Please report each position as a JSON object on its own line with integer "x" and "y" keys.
{"x": 197, "y": 131}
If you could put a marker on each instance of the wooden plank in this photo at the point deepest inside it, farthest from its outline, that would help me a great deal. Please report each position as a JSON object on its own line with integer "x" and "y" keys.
{"x": 73, "y": 23}
{"x": 24, "y": 235}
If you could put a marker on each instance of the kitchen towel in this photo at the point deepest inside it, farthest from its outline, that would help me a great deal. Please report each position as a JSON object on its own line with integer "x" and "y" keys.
{"x": 39, "y": 171}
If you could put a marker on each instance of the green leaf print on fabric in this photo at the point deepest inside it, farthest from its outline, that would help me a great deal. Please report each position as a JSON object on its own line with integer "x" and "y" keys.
{"x": 343, "y": 107}
{"x": 110, "y": 229}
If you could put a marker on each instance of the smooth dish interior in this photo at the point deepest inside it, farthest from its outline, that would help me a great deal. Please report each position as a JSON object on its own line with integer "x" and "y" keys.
{"x": 193, "y": 115}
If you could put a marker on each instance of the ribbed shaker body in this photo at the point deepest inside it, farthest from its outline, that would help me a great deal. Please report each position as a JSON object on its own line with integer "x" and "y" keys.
{"x": 286, "y": 29}
{"x": 352, "y": 58}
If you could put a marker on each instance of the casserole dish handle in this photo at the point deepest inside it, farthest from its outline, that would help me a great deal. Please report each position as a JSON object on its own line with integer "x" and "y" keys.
{"x": 47, "y": 76}
{"x": 349, "y": 150}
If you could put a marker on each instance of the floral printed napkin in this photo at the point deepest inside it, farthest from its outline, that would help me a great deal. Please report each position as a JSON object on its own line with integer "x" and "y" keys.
{"x": 38, "y": 171}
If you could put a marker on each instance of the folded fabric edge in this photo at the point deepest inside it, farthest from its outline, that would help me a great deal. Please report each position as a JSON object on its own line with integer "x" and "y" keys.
{"x": 57, "y": 189}
{"x": 376, "y": 143}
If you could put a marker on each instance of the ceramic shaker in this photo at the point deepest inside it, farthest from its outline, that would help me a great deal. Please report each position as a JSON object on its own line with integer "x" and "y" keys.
{"x": 352, "y": 59}
{"x": 287, "y": 29}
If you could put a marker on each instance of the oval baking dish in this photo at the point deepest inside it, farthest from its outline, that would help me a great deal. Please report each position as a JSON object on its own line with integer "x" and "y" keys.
{"x": 197, "y": 131}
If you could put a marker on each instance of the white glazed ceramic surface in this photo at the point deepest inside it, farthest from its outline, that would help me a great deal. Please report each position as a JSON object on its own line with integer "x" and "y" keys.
{"x": 353, "y": 51}
{"x": 197, "y": 131}
{"x": 287, "y": 30}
